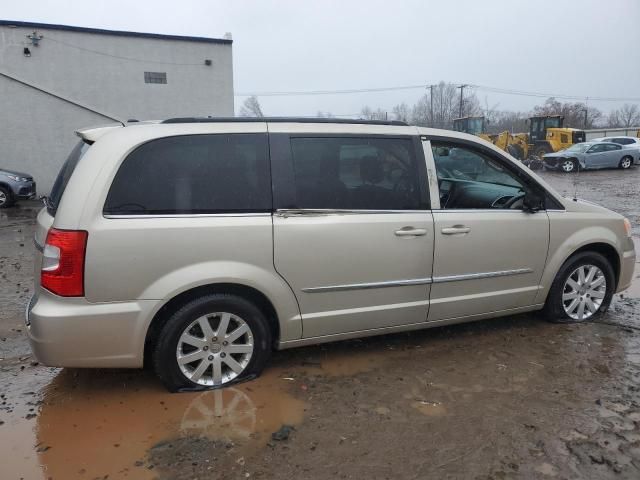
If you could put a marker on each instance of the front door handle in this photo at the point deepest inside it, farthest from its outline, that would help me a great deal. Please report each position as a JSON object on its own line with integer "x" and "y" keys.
{"x": 410, "y": 232}
{"x": 456, "y": 230}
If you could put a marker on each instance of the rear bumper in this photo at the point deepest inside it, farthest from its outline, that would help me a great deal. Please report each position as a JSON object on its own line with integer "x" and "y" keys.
{"x": 72, "y": 332}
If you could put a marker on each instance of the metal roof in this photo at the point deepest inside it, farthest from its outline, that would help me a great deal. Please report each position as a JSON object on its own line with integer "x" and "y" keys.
{"x": 117, "y": 33}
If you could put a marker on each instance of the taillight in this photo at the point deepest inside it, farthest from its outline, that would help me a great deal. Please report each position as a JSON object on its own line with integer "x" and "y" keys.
{"x": 63, "y": 262}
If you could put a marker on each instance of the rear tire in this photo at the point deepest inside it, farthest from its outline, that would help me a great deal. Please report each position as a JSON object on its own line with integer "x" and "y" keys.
{"x": 541, "y": 150}
{"x": 568, "y": 292}
{"x": 198, "y": 347}
{"x": 6, "y": 198}
{"x": 625, "y": 163}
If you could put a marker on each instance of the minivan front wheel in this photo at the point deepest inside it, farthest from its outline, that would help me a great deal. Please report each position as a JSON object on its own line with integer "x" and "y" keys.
{"x": 212, "y": 341}
{"x": 582, "y": 289}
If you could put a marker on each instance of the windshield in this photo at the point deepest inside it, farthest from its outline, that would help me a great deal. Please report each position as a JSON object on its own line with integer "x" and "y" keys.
{"x": 63, "y": 177}
{"x": 553, "y": 122}
{"x": 578, "y": 148}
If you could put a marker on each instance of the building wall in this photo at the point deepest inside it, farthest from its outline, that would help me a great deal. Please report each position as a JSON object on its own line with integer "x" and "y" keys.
{"x": 65, "y": 85}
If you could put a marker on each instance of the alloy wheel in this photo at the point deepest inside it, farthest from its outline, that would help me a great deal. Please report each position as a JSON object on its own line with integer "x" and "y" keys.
{"x": 584, "y": 292}
{"x": 3, "y": 198}
{"x": 215, "y": 348}
{"x": 625, "y": 162}
{"x": 568, "y": 166}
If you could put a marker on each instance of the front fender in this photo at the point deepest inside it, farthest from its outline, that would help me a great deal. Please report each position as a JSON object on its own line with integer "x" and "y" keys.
{"x": 567, "y": 236}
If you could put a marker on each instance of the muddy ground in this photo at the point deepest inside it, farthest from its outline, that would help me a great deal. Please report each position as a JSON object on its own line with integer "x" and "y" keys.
{"x": 507, "y": 398}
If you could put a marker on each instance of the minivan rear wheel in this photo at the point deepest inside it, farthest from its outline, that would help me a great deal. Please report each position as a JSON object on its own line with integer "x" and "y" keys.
{"x": 212, "y": 341}
{"x": 581, "y": 290}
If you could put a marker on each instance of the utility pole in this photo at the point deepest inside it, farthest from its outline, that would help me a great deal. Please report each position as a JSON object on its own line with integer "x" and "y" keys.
{"x": 586, "y": 111}
{"x": 430, "y": 87}
{"x": 461, "y": 87}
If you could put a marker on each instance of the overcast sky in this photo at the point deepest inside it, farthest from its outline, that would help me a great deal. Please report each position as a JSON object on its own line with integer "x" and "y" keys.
{"x": 582, "y": 47}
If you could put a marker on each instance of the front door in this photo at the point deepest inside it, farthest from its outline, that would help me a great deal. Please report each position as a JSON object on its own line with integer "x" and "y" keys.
{"x": 353, "y": 233}
{"x": 489, "y": 254}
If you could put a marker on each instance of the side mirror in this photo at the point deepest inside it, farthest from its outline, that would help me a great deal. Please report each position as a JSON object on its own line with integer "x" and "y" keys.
{"x": 532, "y": 202}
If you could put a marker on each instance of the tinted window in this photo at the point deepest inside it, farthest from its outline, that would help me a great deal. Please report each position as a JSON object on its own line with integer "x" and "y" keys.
{"x": 63, "y": 177}
{"x": 610, "y": 147}
{"x": 597, "y": 148}
{"x": 194, "y": 174}
{"x": 623, "y": 141}
{"x": 356, "y": 174}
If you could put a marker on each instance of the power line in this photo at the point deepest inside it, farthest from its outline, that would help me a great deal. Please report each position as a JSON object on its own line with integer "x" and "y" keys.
{"x": 328, "y": 92}
{"x": 504, "y": 91}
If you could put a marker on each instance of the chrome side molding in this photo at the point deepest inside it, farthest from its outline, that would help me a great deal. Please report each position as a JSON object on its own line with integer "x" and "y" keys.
{"x": 477, "y": 276}
{"x": 363, "y": 286}
{"x": 417, "y": 281}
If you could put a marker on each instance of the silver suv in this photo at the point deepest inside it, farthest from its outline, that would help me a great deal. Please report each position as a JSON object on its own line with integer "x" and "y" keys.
{"x": 198, "y": 246}
{"x": 15, "y": 186}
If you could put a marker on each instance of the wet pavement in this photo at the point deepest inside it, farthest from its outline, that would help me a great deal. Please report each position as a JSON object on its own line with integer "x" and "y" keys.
{"x": 507, "y": 398}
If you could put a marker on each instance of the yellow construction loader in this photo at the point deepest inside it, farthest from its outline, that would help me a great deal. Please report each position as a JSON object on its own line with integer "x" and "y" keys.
{"x": 546, "y": 135}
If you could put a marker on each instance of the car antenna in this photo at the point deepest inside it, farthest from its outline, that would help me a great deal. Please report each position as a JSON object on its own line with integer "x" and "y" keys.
{"x": 575, "y": 182}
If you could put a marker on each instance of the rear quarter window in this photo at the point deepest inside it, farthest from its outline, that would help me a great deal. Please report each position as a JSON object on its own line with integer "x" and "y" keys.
{"x": 193, "y": 174}
{"x": 64, "y": 175}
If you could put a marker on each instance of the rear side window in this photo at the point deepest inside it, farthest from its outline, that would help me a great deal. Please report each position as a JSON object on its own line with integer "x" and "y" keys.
{"x": 623, "y": 141}
{"x": 356, "y": 173}
{"x": 63, "y": 177}
{"x": 194, "y": 174}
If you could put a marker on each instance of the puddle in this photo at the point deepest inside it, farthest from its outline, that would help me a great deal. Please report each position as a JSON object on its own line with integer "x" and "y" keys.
{"x": 431, "y": 409}
{"x": 96, "y": 423}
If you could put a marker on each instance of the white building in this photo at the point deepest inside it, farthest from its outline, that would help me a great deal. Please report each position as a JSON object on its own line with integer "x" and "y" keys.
{"x": 55, "y": 79}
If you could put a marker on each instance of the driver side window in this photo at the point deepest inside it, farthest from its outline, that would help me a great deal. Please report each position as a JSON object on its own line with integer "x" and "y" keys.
{"x": 470, "y": 179}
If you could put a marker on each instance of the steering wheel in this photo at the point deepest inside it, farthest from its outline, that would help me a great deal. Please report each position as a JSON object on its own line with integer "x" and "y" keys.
{"x": 513, "y": 200}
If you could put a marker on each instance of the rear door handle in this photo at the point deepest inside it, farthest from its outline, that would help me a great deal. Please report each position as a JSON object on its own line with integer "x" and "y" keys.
{"x": 456, "y": 230}
{"x": 410, "y": 232}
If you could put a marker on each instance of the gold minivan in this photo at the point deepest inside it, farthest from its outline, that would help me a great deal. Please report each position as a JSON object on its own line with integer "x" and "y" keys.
{"x": 198, "y": 246}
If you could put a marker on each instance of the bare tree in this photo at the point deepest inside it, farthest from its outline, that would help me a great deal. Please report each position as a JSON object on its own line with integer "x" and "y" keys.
{"x": 514, "y": 122}
{"x": 444, "y": 107}
{"x": 574, "y": 113}
{"x": 251, "y": 108}
{"x": 368, "y": 114}
{"x": 627, "y": 116}
{"x": 402, "y": 112}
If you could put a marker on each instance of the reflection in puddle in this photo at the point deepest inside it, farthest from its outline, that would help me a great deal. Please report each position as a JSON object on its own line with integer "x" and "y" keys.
{"x": 93, "y": 424}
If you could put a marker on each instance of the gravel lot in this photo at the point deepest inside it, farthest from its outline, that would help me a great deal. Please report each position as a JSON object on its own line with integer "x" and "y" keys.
{"x": 508, "y": 398}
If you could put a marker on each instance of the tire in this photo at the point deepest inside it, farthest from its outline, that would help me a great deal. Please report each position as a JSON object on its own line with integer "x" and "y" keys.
{"x": 558, "y": 308}
{"x": 625, "y": 163}
{"x": 569, "y": 166}
{"x": 6, "y": 198}
{"x": 212, "y": 358}
{"x": 541, "y": 150}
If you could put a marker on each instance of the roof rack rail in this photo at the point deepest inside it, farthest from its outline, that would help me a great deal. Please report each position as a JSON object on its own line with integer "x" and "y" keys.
{"x": 281, "y": 120}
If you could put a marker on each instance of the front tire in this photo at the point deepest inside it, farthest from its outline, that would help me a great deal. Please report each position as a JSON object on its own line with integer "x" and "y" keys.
{"x": 581, "y": 290}
{"x": 212, "y": 341}
{"x": 569, "y": 166}
{"x": 6, "y": 198}
{"x": 625, "y": 163}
